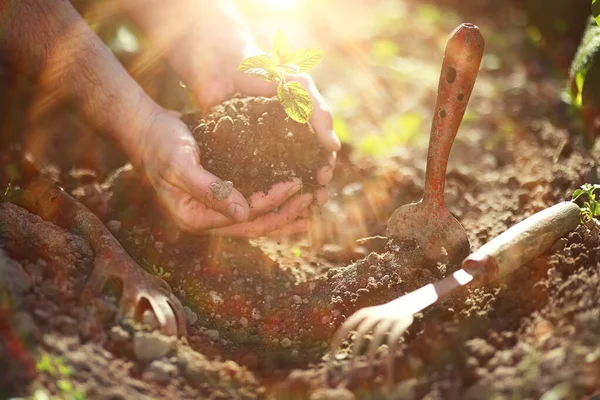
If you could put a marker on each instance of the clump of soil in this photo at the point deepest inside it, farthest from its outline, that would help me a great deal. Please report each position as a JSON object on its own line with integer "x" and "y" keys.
{"x": 254, "y": 144}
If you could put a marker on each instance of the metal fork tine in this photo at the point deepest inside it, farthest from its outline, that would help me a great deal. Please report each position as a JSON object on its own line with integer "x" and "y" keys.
{"x": 349, "y": 325}
{"x": 400, "y": 326}
{"x": 363, "y": 329}
{"x": 378, "y": 338}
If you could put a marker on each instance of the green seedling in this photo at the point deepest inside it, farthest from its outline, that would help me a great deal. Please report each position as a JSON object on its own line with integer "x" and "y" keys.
{"x": 591, "y": 207}
{"x": 294, "y": 97}
{"x": 56, "y": 368}
{"x": 159, "y": 271}
{"x": 586, "y": 54}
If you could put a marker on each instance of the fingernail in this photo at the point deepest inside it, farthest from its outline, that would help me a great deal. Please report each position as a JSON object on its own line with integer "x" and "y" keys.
{"x": 335, "y": 141}
{"x": 236, "y": 212}
{"x": 297, "y": 186}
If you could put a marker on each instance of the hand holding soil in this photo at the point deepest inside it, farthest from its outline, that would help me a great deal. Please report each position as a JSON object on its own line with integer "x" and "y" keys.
{"x": 71, "y": 64}
{"x": 205, "y": 44}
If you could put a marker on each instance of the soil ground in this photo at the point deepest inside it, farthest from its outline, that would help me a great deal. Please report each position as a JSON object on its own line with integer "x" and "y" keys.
{"x": 261, "y": 313}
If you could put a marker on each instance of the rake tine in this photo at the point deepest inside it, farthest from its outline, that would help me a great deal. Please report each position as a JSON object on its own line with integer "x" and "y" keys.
{"x": 378, "y": 339}
{"x": 348, "y": 326}
{"x": 393, "y": 337}
{"x": 363, "y": 329}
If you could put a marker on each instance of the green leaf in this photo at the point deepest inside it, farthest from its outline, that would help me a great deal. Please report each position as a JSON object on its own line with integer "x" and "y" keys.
{"x": 290, "y": 68}
{"x": 261, "y": 65}
{"x": 280, "y": 46}
{"x": 78, "y": 395}
{"x": 45, "y": 364}
{"x": 582, "y": 62}
{"x": 305, "y": 59}
{"x": 64, "y": 385}
{"x": 295, "y": 101}
{"x": 596, "y": 10}
{"x": 596, "y": 209}
{"x": 576, "y": 194}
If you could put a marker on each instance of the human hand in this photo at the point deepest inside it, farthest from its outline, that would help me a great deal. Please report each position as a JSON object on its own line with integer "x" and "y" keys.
{"x": 205, "y": 42}
{"x": 170, "y": 159}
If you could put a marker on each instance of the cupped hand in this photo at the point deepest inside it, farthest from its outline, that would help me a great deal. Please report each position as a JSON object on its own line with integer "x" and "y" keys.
{"x": 171, "y": 161}
{"x": 204, "y": 42}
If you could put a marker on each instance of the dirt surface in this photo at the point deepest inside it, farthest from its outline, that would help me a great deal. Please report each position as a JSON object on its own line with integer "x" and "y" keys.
{"x": 254, "y": 144}
{"x": 261, "y": 313}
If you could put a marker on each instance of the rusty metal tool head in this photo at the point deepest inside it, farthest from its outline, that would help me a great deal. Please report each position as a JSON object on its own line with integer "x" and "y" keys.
{"x": 428, "y": 221}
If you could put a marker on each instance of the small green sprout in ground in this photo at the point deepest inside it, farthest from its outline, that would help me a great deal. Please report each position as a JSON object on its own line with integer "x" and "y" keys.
{"x": 591, "y": 207}
{"x": 294, "y": 97}
{"x": 159, "y": 271}
{"x": 56, "y": 368}
{"x": 296, "y": 251}
{"x": 584, "y": 58}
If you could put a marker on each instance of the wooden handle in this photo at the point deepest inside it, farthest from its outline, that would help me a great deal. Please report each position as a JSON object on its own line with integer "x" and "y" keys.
{"x": 462, "y": 57}
{"x": 523, "y": 242}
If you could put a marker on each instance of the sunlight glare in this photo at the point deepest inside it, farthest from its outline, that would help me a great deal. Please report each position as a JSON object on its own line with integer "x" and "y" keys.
{"x": 281, "y": 4}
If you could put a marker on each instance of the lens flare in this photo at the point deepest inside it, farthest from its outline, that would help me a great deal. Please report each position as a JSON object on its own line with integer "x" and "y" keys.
{"x": 281, "y": 4}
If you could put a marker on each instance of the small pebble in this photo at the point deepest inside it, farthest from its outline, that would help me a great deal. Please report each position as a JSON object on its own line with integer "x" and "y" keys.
{"x": 149, "y": 346}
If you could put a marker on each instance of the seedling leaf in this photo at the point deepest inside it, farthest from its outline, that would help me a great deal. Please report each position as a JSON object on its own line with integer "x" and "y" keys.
{"x": 596, "y": 11}
{"x": 291, "y": 69}
{"x": 281, "y": 46}
{"x": 262, "y": 65}
{"x": 591, "y": 207}
{"x": 305, "y": 59}
{"x": 296, "y": 101}
{"x": 294, "y": 98}
{"x": 64, "y": 385}
{"x": 576, "y": 194}
{"x": 595, "y": 209}
{"x": 582, "y": 62}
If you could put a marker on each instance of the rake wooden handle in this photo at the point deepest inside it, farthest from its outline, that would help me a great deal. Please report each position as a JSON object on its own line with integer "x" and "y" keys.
{"x": 462, "y": 58}
{"x": 522, "y": 242}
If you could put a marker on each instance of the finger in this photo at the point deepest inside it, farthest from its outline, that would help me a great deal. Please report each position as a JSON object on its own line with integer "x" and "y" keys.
{"x": 197, "y": 182}
{"x": 189, "y": 214}
{"x": 254, "y": 86}
{"x": 269, "y": 222}
{"x": 322, "y": 117}
{"x": 325, "y": 173}
{"x": 261, "y": 203}
{"x": 321, "y": 196}
{"x": 292, "y": 228}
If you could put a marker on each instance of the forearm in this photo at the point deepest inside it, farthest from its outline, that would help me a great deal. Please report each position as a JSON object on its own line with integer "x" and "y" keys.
{"x": 49, "y": 42}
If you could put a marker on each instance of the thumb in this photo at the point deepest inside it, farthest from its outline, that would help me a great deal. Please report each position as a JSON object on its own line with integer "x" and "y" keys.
{"x": 215, "y": 194}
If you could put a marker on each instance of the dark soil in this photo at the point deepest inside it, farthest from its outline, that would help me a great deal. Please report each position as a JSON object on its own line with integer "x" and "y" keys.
{"x": 261, "y": 313}
{"x": 254, "y": 144}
